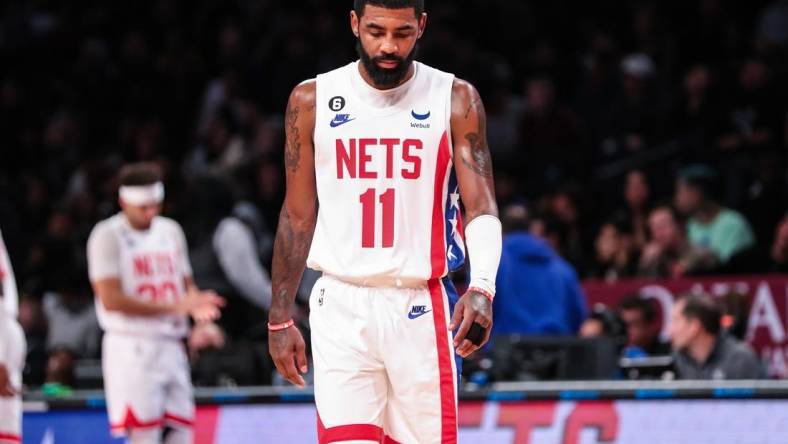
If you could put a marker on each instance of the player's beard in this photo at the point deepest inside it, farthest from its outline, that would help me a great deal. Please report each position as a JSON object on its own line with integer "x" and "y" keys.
{"x": 384, "y": 78}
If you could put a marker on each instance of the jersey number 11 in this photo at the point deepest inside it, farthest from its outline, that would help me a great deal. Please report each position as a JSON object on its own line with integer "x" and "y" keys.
{"x": 368, "y": 218}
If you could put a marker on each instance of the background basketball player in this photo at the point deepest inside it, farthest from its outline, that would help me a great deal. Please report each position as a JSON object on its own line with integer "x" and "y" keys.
{"x": 139, "y": 267}
{"x": 12, "y": 355}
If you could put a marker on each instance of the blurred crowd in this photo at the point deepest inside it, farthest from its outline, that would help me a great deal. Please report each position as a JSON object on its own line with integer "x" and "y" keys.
{"x": 630, "y": 138}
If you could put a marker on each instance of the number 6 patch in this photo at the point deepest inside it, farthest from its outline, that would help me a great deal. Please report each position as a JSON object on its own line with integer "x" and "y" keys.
{"x": 336, "y": 103}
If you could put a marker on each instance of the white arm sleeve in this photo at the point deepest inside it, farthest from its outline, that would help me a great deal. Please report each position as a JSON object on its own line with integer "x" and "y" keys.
{"x": 103, "y": 253}
{"x": 234, "y": 245}
{"x": 484, "y": 241}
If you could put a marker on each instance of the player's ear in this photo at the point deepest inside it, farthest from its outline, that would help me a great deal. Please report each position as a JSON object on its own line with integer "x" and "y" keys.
{"x": 422, "y": 23}
{"x": 354, "y": 21}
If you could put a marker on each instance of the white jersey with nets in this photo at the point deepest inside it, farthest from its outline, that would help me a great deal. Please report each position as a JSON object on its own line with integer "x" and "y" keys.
{"x": 389, "y": 203}
{"x": 151, "y": 266}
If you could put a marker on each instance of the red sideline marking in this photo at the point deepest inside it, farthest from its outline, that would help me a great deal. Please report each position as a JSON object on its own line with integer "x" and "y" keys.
{"x": 8, "y": 437}
{"x": 352, "y": 432}
{"x": 601, "y": 415}
{"x": 205, "y": 424}
{"x": 526, "y": 417}
{"x": 471, "y": 414}
{"x": 438, "y": 247}
{"x": 448, "y": 405}
{"x": 130, "y": 421}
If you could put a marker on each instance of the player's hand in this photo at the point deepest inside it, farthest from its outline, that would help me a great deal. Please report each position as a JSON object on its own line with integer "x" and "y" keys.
{"x": 288, "y": 350}
{"x": 202, "y": 306}
{"x": 472, "y": 307}
{"x": 6, "y": 389}
{"x": 205, "y": 335}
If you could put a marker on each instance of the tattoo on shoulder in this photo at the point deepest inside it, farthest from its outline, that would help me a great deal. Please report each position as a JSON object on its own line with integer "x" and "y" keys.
{"x": 293, "y": 143}
{"x": 480, "y": 153}
{"x": 474, "y": 103}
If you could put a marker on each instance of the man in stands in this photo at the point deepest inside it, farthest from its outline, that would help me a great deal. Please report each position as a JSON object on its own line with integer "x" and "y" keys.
{"x": 724, "y": 231}
{"x": 640, "y": 317}
{"x": 701, "y": 350}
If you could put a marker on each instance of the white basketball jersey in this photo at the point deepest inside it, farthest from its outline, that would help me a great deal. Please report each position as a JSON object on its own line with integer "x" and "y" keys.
{"x": 151, "y": 265}
{"x": 8, "y": 282}
{"x": 389, "y": 209}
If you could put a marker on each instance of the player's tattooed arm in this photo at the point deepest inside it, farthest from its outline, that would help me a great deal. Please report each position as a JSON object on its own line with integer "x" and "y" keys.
{"x": 475, "y": 177}
{"x": 472, "y": 160}
{"x": 294, "y": 233}
{"x": 300, "y": 111}
{"x": 299, "y": 212}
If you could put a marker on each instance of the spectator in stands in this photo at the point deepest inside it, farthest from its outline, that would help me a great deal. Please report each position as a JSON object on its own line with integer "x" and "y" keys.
{"x": 767, "y": 195}
{"x": 537, "y": 291}
{"x": 73, "y": 330}
{"x": 780, "y": 247}
{"x": 224, "y": 150}
{"x": 752, "y": 124}
{"x": 552, "y": 138}
{"x": 616, "y": 256}
{"x": 722, "y": 230}
{"x": 635, "y": 114}
{"x": 603, "y": 322}
{"x": 637, "y": 200}
{"x": 697, "y": 115}
{"x": 223, "y": 253}
{"x": 606, "y": 323}
{"x": 640, "y": 317}
{"x": 566, "y": 204}
{"x": 669, "y": 254}
{"x": 701, "y": 350}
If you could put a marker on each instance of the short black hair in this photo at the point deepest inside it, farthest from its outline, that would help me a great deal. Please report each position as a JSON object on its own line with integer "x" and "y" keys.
{"x": 417, "y": 5}
{"x": 703, "y": 178}
{"x": 612, "y": 324}
{"x": 705, "y": 310}
{"x": 645, "y": 306}
{"x": 621, "y": 223}
{"x": 141, "y": 173}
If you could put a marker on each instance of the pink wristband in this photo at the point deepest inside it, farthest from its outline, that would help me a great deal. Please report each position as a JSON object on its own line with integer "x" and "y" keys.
{"x": 277, "y": 327}
{"x": 482, "y": 291}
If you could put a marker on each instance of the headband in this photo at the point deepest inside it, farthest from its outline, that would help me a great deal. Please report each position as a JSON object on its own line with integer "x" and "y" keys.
{"x": 141, "y": 195}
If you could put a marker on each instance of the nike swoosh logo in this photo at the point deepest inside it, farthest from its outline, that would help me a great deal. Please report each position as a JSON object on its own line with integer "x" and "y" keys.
{"x": 336, "y": 123}
{"x": 420, "y": 116}
{"x": 414, "y": 316}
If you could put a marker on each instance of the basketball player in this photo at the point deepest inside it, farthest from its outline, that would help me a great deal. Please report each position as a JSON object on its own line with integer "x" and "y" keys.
{"x": 12, "y": 356}
{"x": 139, "y": 268}
{"x": 377, "y": 155}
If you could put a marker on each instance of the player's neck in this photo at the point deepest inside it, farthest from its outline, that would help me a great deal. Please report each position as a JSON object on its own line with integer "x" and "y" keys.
{"x": 701, "y": 348}
{"x": 368, "y": 79}
{"x": 136, "y": 226}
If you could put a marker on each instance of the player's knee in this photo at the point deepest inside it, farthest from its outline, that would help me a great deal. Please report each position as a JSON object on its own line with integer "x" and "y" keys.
{"x": 144, "y": 436}
{"x": 178, "y": 435}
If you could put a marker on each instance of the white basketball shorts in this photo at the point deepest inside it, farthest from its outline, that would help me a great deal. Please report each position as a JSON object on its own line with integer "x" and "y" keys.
{"x": 146, "y": 382}
{"x": 384, "y": 364}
